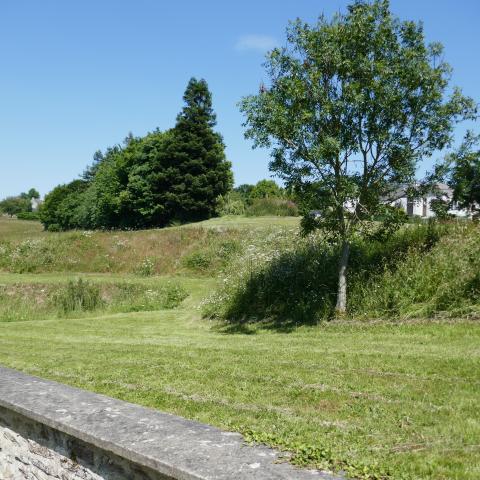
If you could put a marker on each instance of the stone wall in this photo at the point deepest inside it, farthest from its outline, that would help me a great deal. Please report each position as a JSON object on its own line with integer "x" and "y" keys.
{"x": 23, "y": 458}
{"x": 33, "y": 451}
{"x": 53, "y": 431}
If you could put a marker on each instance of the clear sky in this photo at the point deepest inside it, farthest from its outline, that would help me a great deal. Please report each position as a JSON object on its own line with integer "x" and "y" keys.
{"x": 78, "y": 75}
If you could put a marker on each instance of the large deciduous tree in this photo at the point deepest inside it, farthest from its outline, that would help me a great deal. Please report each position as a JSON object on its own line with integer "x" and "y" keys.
{"x": 352, "y": 104}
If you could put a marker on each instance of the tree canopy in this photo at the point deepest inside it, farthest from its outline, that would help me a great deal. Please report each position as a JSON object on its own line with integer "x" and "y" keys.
{"x": 175, "y": 175}
{"x": 352, "y": 105}
{"x": 18, "y": 204}
{"x": 464, "y": 169}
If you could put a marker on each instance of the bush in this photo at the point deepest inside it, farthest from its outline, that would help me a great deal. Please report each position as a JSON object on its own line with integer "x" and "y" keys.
{"x": 197, "y": 261}
{"x": 230, "y": 204}
{"x": 272, "y": 206}
{"x": 28, "y": 216}
{"x": 80, "y": 295}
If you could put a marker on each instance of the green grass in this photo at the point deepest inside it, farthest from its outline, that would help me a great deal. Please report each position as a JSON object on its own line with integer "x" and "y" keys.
{"x": 13, "y": 229}
{"x": 403, "y": 397}
{"x": 240, "y": 222}
{"x": 377, "y": 399}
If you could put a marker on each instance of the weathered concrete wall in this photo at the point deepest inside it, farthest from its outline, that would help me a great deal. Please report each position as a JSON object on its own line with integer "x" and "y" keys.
{"x": 52, "y": 431}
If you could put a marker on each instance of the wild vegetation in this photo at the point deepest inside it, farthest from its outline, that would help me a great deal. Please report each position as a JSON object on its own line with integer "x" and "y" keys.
{"x": 193, "y": 317}
{"x": 352, "y": 105}
{"x": 422, "y": 271}
{"x": 20, "y": 205}
{"x": 380, "y": 399}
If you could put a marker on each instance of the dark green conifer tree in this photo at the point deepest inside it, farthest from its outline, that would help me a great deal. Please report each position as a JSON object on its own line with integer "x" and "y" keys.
{"x": 194, "y": 170}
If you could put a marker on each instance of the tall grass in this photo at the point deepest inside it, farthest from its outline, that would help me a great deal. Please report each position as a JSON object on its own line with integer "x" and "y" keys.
{"x": 79, "y": 295}
{"x": 441, "y": 281}
{"x": 20, "y": 302}
{"x": 272, "y": 207}
{"x": 149, "y": 252}
{"x": 423, "y": 270}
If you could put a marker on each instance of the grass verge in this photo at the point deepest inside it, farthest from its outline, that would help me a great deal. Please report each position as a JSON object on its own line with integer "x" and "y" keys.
{"x": 382, "y": 401}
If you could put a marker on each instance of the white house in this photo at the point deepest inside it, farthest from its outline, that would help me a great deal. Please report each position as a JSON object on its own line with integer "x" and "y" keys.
{"x": 421, "y": 207}
{"x": 35, "y": 202}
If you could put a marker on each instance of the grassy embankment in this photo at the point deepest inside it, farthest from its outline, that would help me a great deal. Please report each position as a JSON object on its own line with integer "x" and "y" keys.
{"x": 394, "y": 399}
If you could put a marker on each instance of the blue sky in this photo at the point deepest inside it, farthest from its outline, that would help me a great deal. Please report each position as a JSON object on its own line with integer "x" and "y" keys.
{"x": 77, "y": 76}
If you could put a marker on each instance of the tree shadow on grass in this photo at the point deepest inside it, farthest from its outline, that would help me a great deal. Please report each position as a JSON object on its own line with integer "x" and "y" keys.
{"x": 299, "y": 287}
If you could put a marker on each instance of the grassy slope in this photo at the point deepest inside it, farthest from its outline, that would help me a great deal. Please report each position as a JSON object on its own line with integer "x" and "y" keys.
{"x": 24, "y": 248}
{"x": 11, "y": 229}
{"x": 404, "y": 396}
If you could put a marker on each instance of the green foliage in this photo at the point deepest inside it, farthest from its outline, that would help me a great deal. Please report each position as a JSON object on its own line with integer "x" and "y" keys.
{"x": 441, "y": 281}
{"x": 22, "y": 302}
{"x": 353, "y": 105}
{"x": 266, "y": 189}
{"x": 440, "y": 208}
{"x": 230, "y": 204}
{"x": 59, "y": 211}
{"x": 195, "y": 171}
{"x": 33, "y": 193}
{"x": 244, "y": 191}
{"x": 27, "y": 256}
{"x": 464, "y": 165}
{"x": 291, "y": 281}
{"x": 19, "y": 205}
{"x": 15, "y": 205}
{"x": 213, "y": 257}
{"x": 125, "y": 297}
{"x": 28, "y": 216}
{"x": 151, "y": 181}
{"x": 272, "y": 206}
{"x": 80, "y": 295}
{"x": 265, "y": 198}
{"x": 197, "y": 261}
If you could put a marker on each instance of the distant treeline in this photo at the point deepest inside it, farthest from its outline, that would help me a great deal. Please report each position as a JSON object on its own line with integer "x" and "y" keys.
{"x": 263, "y": 198}
{"x": 20, "y": 205}
{"x": 153, "y": 181}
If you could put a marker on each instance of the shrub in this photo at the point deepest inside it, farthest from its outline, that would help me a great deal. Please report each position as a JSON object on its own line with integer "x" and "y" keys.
{"x": 28, "y": 216}
{"x": 272, "y": 206}
{"x": 230, "y": 204}
{"x": 197, "y": 261}
{"x": 80, "y": 295}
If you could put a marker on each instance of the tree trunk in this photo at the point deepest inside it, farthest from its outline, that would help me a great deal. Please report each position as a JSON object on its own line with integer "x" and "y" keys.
{"x": 341, "y": 307}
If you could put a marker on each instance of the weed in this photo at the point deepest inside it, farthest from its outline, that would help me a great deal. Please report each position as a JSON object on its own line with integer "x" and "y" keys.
{"x": 79, "y": 295}
{"x": 146, "y": 268}
{"x": 197, "y": 261}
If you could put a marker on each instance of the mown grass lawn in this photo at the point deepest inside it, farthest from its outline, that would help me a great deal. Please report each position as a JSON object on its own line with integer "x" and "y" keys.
{"x": 380, "y": 400}
{"x": 400, "y": 399}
